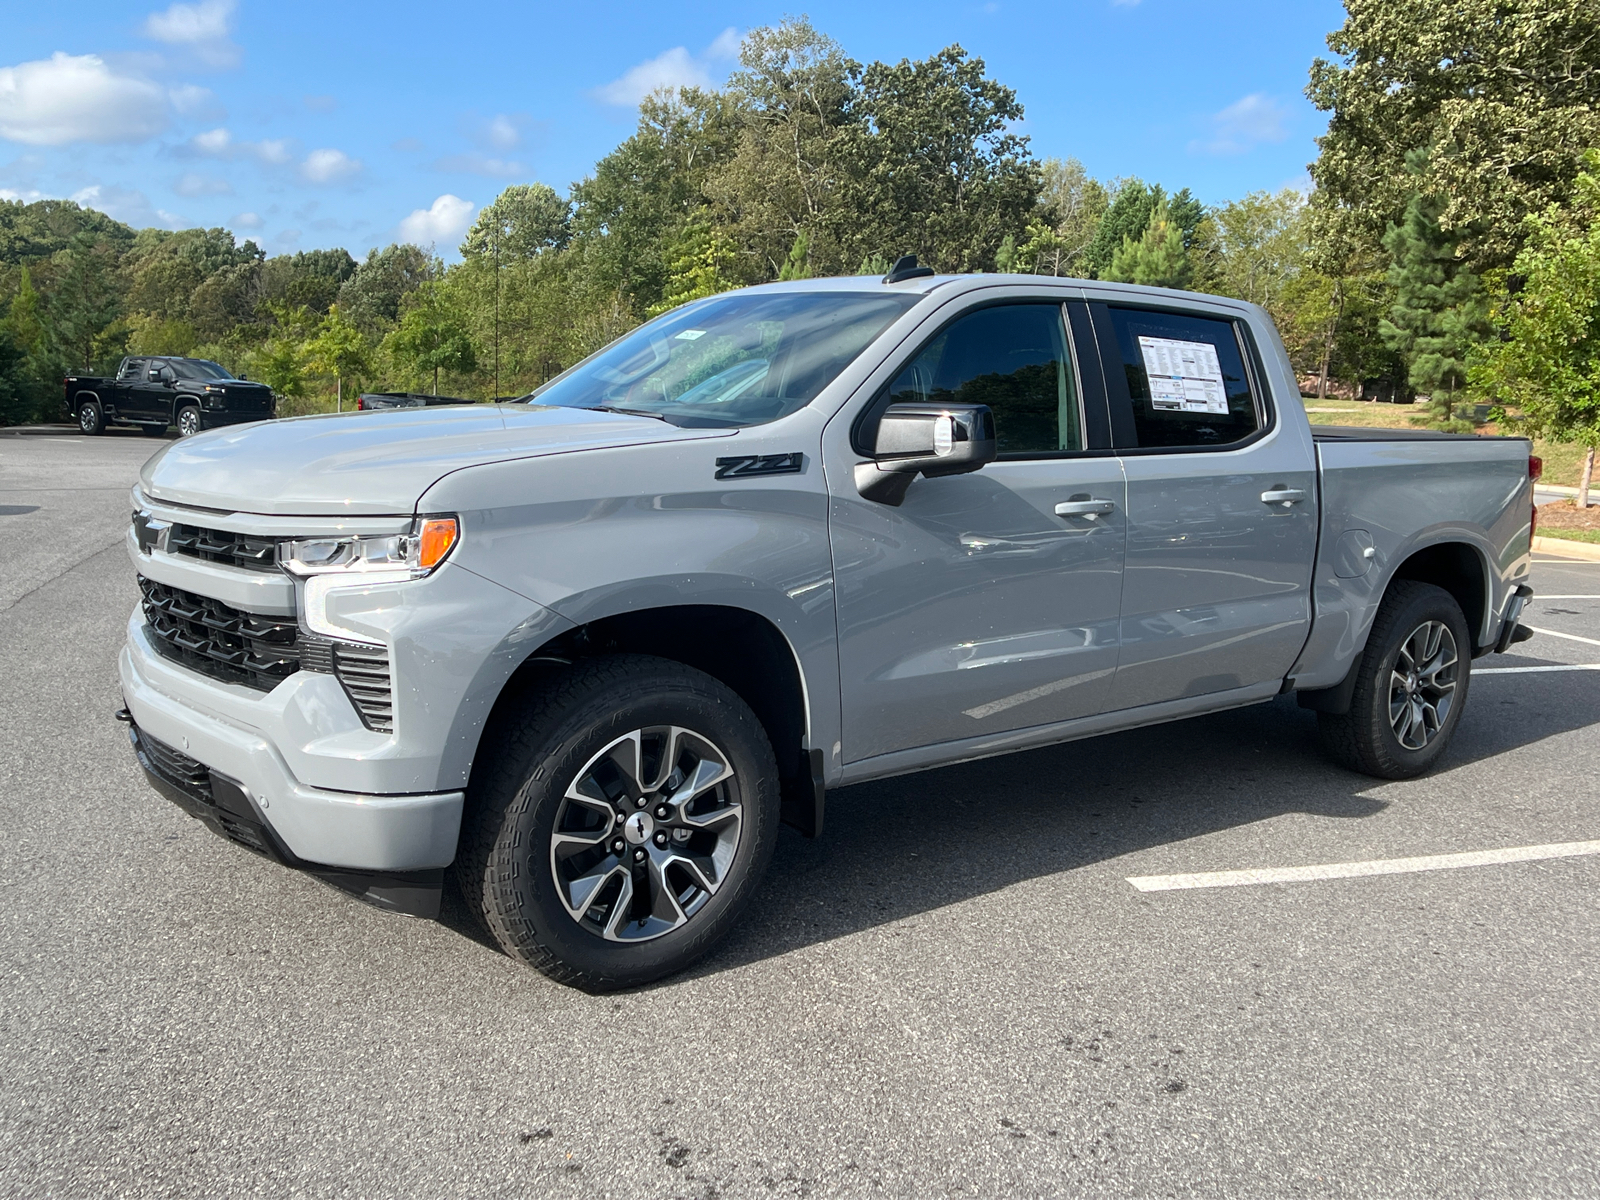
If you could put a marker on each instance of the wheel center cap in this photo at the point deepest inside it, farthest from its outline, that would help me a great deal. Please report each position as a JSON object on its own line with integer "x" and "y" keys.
{"x": 638, "y": 828}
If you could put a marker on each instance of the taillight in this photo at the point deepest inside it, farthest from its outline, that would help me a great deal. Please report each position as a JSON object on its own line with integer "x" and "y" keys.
{"x": 1535, "y": 468}
{"x": 360, "y": 404}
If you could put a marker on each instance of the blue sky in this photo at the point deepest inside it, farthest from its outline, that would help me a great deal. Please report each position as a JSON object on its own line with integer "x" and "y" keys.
{"x": 326, "y": 124}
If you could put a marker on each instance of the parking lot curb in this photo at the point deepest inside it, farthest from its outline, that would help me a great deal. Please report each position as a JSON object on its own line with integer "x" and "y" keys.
{"x": 1562, "y": 548}
{"x": 39, "y": 430}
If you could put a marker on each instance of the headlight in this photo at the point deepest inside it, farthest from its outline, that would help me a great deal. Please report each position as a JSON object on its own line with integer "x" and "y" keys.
{"x": 329, "y": 564}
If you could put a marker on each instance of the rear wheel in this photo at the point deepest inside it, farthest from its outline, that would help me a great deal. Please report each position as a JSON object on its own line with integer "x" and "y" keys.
{"x": 91, "y": 417}
{"x": 188, "y": 421}
{"x": 1411, "y": 686}
{"x": 619, "y": 821}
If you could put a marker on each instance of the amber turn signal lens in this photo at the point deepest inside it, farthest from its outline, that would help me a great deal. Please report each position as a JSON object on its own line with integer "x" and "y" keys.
{"x": 434, "y": 540}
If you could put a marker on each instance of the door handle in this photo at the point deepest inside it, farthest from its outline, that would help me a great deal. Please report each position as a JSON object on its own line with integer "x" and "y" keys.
{"x": 1085, "y": 508}
{"x": 1282, "y": 495}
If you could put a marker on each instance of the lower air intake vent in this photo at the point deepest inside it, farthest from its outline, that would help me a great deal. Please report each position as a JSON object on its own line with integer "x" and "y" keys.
{"x": 364, "y": 672}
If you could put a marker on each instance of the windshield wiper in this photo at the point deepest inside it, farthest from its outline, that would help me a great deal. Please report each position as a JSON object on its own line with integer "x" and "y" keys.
{"x": 630, "y": 412}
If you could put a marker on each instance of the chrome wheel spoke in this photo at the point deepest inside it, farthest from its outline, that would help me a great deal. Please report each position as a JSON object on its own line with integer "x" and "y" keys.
{"x": 1422, "y": 684}
{"x": 670, "y": 798}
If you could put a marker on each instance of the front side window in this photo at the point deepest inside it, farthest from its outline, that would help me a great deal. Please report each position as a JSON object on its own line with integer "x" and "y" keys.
{"x": 1012, "y": 357}
{"x": 132, "y": 371}
{"x": 1186, "y": 381}
{"x": 741, "y": 359}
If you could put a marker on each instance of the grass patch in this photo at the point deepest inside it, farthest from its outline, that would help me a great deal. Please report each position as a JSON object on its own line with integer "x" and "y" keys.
{"x": 1571, "y": 535}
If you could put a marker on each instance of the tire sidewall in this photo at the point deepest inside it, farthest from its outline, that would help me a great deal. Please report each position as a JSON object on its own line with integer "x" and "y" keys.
{"x": 91, "y": 424}
{"x": 529, "y": 907}
{"x": 1428, "y": 603}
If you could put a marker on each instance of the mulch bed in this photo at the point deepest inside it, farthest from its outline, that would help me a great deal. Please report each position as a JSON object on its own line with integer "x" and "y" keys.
{"x": 1565, "y": 514}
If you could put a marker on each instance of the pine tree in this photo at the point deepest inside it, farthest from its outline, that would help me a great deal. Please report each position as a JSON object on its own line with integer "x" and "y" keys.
{"x": 798, "y": 264}
{"x": 1157, "y": 258}
{"x": 1439, "y": 312}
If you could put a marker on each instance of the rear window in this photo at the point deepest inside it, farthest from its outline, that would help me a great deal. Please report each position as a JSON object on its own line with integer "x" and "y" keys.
{"x": 1186, "y": 382}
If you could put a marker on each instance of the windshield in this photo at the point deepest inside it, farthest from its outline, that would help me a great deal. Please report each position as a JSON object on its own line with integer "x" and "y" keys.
{"x": 737, "y": 360}
{"x": 198, "y": 368}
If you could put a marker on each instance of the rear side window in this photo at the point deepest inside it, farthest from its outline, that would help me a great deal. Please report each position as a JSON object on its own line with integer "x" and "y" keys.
{"x": 1186, "y": 382}
{"x": 132, "y": 371}
{"x": 1012, "y": 357}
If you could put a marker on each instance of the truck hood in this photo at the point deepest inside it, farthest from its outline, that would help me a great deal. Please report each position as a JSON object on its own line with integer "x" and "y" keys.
{"x": 379, "y": 463}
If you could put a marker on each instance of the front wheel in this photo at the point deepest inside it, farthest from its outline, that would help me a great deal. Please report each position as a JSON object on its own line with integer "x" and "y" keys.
{"x": 619, "y": 821}
{"x": 188, "y": 421}
{"x": 1411, "y": 686}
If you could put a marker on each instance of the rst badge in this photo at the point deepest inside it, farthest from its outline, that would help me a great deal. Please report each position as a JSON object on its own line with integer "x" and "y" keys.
{"x": 743, "y": 466}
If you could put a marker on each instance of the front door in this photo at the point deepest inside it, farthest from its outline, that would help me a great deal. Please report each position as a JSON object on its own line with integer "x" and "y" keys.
{"x": 150, "y": 399}
{"x": 1222, "y": 523}
{"x": 974, "y": 607}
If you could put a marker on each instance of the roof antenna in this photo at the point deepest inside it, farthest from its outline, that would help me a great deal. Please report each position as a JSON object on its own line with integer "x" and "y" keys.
{"x": 905, "y": 267}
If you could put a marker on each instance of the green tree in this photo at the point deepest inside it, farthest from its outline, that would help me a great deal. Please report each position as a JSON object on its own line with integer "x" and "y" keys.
{"x": 525, "y": 220}
{"x": 1071, "y": 207}
{"x": 798, "y": 263}
{"x": 1506, "y": 92}
{"x": 1256, "y": 248}
{"x": 339, "y": 349}
{"x": 1439, "y": 310}
{"x": 372, "y": 297}
{"x": 934, "y": 168}
{"x": 432, "y": 336}
{"x": 280, "y": 360}
{"x": 698, "y": 268}
{"x": 84, "y": 305}
{"x": 1157, "y": 258}
{"x": 1548, "y": 365}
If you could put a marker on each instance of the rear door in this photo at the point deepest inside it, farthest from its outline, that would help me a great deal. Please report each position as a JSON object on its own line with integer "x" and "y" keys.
{"x": 1221, "y": 507}
{"x": 976, "y": 607}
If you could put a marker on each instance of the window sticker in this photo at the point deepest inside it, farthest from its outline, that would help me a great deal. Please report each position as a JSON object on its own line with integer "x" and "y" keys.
{"x": 1185, "y": 377}
{"x": 689, "y": 335}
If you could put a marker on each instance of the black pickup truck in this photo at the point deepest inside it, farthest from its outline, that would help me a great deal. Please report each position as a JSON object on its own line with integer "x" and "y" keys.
{"x": 155, "y": 392}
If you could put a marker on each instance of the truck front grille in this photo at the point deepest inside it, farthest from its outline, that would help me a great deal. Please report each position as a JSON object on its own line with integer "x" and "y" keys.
{"x": 222, "y": 546}
{"x": 218, "y": 640}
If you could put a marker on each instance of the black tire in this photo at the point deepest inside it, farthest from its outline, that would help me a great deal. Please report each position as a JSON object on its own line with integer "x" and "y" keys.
{"x": 188, "y": 421}
{"x": 548, "y": 742}
{"x": 154, "y": 430}
{"x": 1366, "y": 739}
{"x": 91, "y": 417}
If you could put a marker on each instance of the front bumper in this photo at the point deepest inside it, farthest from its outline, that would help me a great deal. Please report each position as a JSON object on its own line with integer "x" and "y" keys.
{"x": 330, "y": 828}
{"x": 229, "y": 810}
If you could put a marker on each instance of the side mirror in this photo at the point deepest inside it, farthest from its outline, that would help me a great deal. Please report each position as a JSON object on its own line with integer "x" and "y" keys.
{"x": 925, "y": 439}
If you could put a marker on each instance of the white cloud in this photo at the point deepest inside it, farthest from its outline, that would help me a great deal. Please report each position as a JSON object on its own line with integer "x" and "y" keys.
{"x": 126, "y": 205}
{"x": 1244, "y": 125}
{"x": 27, "y": 196}
{"x": 473, "y": 163}
{"x": 503, "y": 131}
{"x": 190, "y": 100}
{"x": 673, "y": 69}
{"x": 328, "y": 166}
{"x": 248, "y": 220}
{"x": 202, "y": 28}
{"x": 78, "y": 98}
{"x": 201, "y": 185}
{"x": 219, "y": 143}
{"x": 443, "y": 221}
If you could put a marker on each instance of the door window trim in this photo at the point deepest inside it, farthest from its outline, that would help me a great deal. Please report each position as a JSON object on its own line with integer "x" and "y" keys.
{"x": 1255, "y": 378}
{"x": 1095, "y": 428}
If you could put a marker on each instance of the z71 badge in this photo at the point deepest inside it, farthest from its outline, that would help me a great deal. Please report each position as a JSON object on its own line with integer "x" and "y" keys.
{"x": 743, "y": 466}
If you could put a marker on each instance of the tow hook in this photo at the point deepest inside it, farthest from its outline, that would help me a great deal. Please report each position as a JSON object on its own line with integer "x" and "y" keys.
{"x": 123, "y": 715}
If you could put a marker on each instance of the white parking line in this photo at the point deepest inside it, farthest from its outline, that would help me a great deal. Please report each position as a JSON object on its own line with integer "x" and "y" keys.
{"x": 1571, "y": 637}
{"x": 1536, "y": 599}
{"x": 1535, "y": 670}
{"x": 1351, "y": 870}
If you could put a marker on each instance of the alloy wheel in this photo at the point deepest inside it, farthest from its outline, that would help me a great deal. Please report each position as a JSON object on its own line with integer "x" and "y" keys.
{"x": 189, "y": 422}
{"x": 1422, "y": 685}
{"x": 646, "y": 833}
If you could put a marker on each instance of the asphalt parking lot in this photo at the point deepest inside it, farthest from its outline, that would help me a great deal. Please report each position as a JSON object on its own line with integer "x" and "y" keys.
{"x": 955, "y": 992}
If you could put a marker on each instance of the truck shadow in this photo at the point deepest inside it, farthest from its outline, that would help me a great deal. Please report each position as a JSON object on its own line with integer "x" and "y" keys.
{"x": 899, "y": 847}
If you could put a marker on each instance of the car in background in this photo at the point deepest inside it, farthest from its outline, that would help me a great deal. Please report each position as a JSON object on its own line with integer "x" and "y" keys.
{"x": 376, "y": 401}
{"x": 153, "y": 392}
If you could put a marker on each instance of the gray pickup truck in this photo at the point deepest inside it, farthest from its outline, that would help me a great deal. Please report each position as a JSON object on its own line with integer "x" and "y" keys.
{"x": 588, "y": 650}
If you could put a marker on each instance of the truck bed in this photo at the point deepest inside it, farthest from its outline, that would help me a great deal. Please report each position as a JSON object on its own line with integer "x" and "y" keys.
{"x": 1370, "y": 433}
